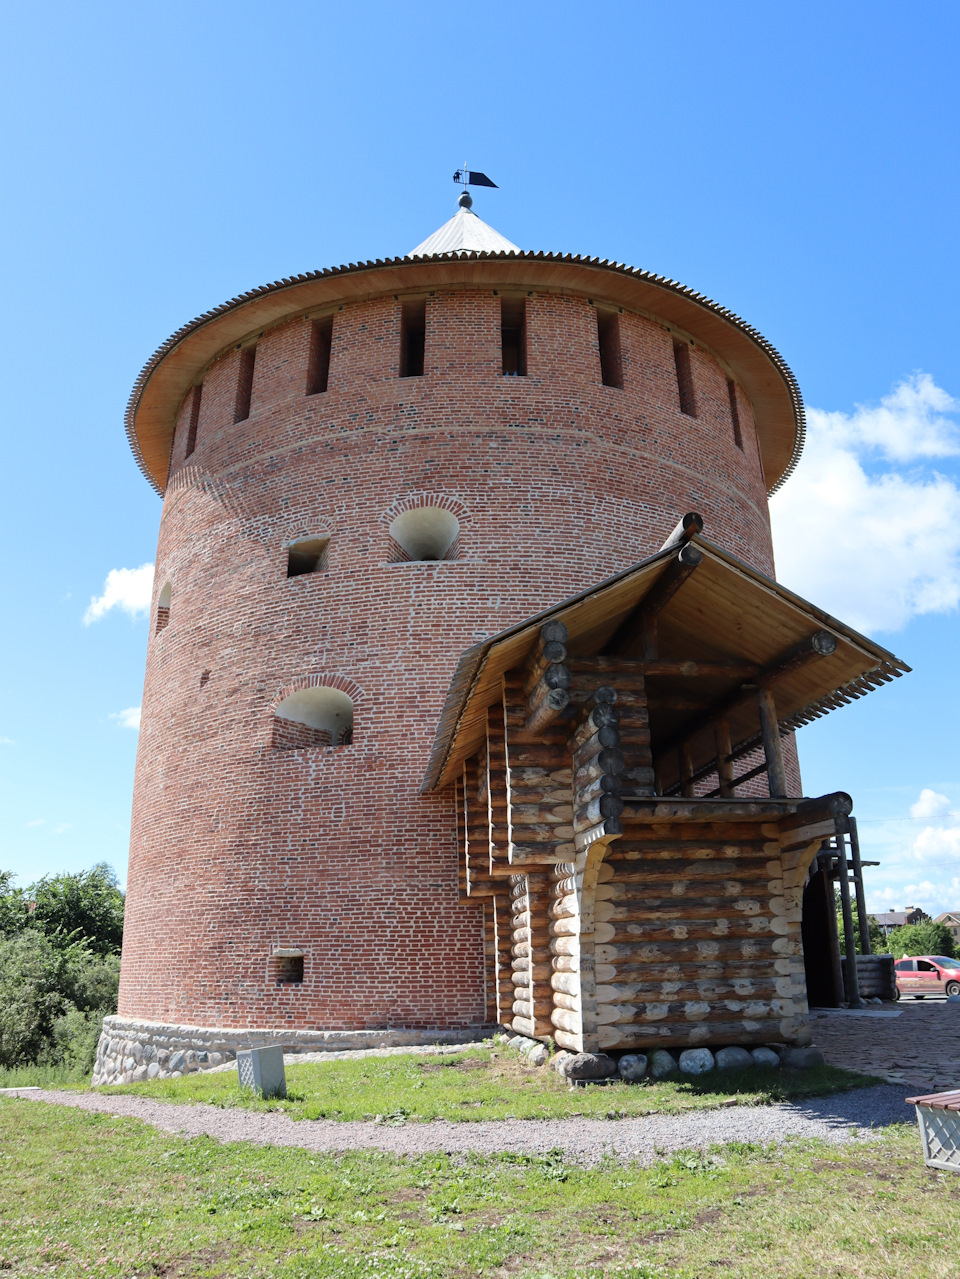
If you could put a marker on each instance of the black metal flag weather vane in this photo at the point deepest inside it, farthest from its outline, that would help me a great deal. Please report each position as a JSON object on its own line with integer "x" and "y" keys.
{"x": 471, "y": 178}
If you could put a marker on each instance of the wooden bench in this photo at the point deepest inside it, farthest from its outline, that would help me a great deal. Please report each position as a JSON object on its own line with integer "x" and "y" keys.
{"x": 938, "y": 1115}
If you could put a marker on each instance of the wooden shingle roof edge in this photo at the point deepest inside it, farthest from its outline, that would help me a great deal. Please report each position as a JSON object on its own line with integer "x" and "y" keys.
{"x": 884, "y": 667}
{"x": 780, "y": 415}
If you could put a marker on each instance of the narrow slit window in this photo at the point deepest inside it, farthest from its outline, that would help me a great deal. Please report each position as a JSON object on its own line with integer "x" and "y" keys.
{"x": 318, "y": 366}
{"x": 193, "y": 419}
{"x": 307, "y": 556}
{"x": 735, "y": 415}
{"x": 163, "y": 608}
{"x": 248, "y": 360}
{"x": 513, "y": 336}
{"x": 681, "y": 358}
{"x": 608, "y": 337}
{"x": 413, "y": 336}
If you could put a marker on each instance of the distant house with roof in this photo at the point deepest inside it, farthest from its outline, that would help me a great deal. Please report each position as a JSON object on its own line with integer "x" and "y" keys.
{"x": 952, "y": 920}
{"x": 890, "y": 919}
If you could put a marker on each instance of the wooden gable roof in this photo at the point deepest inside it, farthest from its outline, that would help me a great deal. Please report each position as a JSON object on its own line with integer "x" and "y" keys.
{"x": 726, "y": 611}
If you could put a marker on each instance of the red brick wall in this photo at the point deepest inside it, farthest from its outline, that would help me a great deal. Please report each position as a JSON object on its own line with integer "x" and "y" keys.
{"x": 558, "y": 481}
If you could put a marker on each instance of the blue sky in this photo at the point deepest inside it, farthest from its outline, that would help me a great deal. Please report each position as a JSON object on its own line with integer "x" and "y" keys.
{"x": 797, "y": 163}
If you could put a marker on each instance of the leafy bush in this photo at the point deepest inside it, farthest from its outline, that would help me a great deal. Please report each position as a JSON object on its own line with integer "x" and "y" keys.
{"x": 927, "y": 938}
{"x": 33, "y": 978}
{"x": 59, "y": 968}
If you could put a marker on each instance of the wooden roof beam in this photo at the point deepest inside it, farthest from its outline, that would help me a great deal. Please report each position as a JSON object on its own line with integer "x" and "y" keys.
{"x": 819, "y": 644}
{"x": 636, "y": 636}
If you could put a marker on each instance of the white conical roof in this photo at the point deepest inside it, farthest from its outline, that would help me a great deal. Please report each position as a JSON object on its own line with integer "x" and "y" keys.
{"x": 464, "y": 233}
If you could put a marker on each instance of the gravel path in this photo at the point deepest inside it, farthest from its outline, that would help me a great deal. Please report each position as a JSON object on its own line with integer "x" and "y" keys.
{"x": 838, "y": 1118}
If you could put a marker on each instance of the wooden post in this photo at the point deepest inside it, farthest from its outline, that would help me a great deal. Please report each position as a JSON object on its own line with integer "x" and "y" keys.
{"x": 851, "y": 980}
{"x": 686, "y": 771}
{"x": 858, "y": 886}
{"x": 772, "y": 746}
{"x": 721, "y": 731}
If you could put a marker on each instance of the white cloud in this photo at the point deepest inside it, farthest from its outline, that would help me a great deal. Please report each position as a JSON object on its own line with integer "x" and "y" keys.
{"x": 874, "y": 546}
{"x": 7, "y": 741}
{"x": 930, "y": 804}
{"x": 129, "y": 589}
{"x": 907, "y": 424}
{"x": 130, "y": 718}
{"x": 37, "y": 821}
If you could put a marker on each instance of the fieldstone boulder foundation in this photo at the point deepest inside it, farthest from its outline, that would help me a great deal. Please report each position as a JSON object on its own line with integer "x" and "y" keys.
{"x": 765, "y": 1057}
{"x": 582, "y": 1067}
{"x": 802, "y": 1058}
{"x": 696, "y": 1061}
{"x": 733, "y": 1059}
{"x": 662, "y": 1063}
{"x": 632, "y": 1067}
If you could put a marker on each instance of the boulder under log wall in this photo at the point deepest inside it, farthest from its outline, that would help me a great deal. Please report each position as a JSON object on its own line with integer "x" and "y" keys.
{"x": 695, "y": 942}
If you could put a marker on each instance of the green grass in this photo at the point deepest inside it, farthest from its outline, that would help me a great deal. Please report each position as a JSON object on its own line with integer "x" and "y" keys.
{"x": 486, "y": 1083}
{"x": 89, "y": 1194}
{"x": 43, "y": 1077}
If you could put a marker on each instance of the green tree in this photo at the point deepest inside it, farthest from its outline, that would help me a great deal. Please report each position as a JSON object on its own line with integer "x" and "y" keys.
{"x": 33, "y": 975}
{"x": 926, "y": 938}
{"x": 877, "y": 944}
{"x": 86, "y": 905}
{"x": 13, "y": 906}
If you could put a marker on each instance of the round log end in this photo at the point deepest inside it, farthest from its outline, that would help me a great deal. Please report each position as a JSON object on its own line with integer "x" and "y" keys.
{"x": 824, "y": 643}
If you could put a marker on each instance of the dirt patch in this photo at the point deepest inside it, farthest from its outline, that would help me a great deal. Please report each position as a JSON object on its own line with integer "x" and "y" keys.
{"x": 188, "y": 1265}
{"x": 468, "y": 1063}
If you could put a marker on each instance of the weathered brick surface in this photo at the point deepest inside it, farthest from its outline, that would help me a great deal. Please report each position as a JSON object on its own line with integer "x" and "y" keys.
{"x": 558, "y": 481}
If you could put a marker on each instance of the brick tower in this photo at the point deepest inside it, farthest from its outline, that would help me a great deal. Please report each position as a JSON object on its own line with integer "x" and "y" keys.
{"x": 366, "y": 470}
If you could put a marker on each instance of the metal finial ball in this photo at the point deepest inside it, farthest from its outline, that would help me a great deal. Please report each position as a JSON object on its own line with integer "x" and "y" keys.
{"x": 466, "y": 200}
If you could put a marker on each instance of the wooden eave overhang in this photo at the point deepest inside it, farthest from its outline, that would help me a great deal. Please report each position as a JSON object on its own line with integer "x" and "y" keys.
{"x": 180, "y": 362}
{"x": 726, "y": 611}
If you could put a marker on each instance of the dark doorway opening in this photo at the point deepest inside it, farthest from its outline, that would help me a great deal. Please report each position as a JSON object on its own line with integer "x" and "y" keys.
{"x": 821, "y": 949}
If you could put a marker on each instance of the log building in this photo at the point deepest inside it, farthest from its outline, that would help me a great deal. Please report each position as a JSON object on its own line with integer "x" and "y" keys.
{"x": 438, "y": 730}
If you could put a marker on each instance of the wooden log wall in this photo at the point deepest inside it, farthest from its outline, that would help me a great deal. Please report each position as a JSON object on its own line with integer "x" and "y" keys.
{"x": 540, "y": 776}
{"x": 696, "y": 938}
{"x": 566, "y": 979}
{"x": 532, "y": 996}
{"x": 502, "y": 976}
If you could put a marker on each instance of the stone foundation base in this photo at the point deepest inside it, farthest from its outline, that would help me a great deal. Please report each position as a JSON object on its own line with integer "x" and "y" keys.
{"x": 130, "y": 1051}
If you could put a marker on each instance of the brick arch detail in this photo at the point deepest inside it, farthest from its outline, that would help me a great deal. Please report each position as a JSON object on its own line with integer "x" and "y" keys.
{"x": 342, "y": 682}
{"x": 414, "y": 501}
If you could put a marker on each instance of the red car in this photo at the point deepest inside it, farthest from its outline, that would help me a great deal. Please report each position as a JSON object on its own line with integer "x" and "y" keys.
{"x": 927, "y": 975}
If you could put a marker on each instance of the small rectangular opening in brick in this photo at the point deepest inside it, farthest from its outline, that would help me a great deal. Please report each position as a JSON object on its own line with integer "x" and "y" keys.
{"x": 308, "y": 556}
{"x": 248, "y": 359}
{"x": 413, "y": 337}
{"x": 318, "y": 365}
{"x": 681, "y": 358}
{"x": 608, "y": 338}
{"x": 288, "y": 970}
{"x": 513, "y": 336}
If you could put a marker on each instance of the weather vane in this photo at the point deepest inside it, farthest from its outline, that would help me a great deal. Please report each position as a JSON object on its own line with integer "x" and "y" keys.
{"x": 470, "y": 177}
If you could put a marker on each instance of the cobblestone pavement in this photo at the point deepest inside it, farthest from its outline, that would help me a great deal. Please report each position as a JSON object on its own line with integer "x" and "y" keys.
{"x": 914, "y": 1042}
